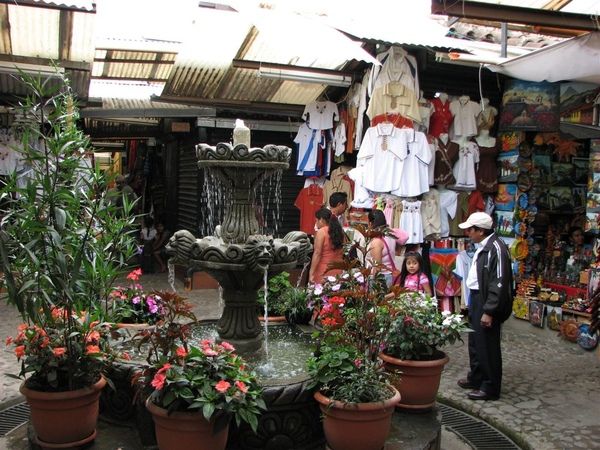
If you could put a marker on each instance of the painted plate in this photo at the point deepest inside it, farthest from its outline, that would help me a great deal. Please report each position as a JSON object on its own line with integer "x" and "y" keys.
{"x": 523, "y": 201}
{"x": 586, "y": 340}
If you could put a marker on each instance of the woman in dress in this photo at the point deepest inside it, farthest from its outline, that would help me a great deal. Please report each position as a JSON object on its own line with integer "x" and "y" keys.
{"x": 329, "y": 245}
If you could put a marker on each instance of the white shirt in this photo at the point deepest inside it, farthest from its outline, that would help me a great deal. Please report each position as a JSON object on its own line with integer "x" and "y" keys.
{"x": 472, "y": 282}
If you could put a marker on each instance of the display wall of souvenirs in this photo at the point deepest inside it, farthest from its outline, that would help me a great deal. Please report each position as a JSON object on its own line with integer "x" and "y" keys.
{"x": 428, "y": 163}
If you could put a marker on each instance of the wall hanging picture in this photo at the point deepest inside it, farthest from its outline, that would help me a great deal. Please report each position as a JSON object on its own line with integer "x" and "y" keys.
{"x": 577, "y": 102}
{"x": 506, "y": 196}
{"x": 581, "y": 169}
{"x": 508, "y": 167}
{"x": 504, "y": 223}
{"x": 592, "y": 223}
{"x": 530, "y": 106}
{"x": 536, "y": 314}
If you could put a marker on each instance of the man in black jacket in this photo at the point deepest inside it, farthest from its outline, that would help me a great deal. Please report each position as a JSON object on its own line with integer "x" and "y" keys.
{"x": 490, "y": 283}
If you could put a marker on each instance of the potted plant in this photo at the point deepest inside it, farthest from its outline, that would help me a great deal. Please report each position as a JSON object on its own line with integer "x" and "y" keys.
{"x": 418, "y": 330}
{"x": 193, "y": 392}
{"x": 61, "y": 247}
{"x": 130, "y": 305}
{"x": 355, "y": 397}
{"x": 296, "y": 305}
{"x": 275, "y": 288}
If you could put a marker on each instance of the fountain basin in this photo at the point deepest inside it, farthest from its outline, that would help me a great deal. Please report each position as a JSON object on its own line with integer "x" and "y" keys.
{"x": 291, "y": 421}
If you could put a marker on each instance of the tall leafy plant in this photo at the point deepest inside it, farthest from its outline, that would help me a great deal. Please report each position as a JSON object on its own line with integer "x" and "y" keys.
{"x": 61, "y": 244}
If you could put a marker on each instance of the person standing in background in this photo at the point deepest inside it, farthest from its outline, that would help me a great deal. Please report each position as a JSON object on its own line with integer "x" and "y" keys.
{"x": 338, "y": 204}
{"x": 490, "y": 284}
{"x": 328, "y": 247}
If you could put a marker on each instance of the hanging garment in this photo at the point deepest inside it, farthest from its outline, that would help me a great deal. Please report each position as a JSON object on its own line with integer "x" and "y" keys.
{"x": 487, "y": 172}
{"x": 446, "y": 156}
{"x": 443, "y": 264}
{"x": 362, "y": 196}
{"x": 430, "y": 215}
{"x": 321, "y": 115}
{"x": 465, "y": 112}
{"x": 339, "y": 139}
{"x": 448, "y": 204}
{"x": 441, "y": 118}
{"x": 415, "y": 173}
{"x": 461, "y": 270}
{"x": 338, "y": 183}
{"x": 309, "y": 200}
{"x": 411, "y": 221}
{"x": 464, "y": 170}
{"x": 382, "y": 153}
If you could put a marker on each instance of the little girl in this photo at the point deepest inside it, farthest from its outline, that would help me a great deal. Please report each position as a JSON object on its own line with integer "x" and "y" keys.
{"x": 412, "y": 276}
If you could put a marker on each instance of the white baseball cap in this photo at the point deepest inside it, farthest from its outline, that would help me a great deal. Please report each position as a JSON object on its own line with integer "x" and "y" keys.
{"x": 479, "y": 220}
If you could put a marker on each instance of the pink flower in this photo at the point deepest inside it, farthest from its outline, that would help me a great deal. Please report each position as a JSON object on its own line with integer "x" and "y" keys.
{"x": 222, "y": 386}
{"x": 135, "y": 275}
{"x": 227, "y": 346}
{"x": 209, "y": 351}
{"x": 60, "y": 351}
{"x": 181, "y": 351}
{"x": 159, "y": 380}
{"x": 136, "y": 300}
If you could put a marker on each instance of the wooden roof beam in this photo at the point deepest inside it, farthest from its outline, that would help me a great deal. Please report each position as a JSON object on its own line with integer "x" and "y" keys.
{"x": 513, "y": 14}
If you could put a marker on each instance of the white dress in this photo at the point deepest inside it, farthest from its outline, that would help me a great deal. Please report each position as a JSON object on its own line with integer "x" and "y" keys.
{"x": 411, "y": 221}
{"x": 464, "y": 169}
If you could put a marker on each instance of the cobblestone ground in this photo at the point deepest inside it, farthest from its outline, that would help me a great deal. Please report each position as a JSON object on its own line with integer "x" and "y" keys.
{"x": 551, "y": 389}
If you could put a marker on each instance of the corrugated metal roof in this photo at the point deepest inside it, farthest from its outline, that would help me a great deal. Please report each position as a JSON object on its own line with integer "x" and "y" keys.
{"x": 190, "y": 49}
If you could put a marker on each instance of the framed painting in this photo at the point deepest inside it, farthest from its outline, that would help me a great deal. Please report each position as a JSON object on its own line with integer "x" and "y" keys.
{"x": 560, "y": 198}
{"x": 543, "y": 174}
{"x": 536, "y": 314}
{"x": 579, "y": 197}
{"x": 581, "y": 169}
{"x": 562, "y": 174}
{"x": 553, "y": 317}
{"x": 505, "y": 198}
{"x": 504, "y": 223}
{"x": 530, "y": 106}
{"x": 508, "y": 167}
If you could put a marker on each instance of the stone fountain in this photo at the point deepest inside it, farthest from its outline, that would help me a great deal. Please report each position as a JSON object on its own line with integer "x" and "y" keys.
{"x": 236, "y": 255}
{"x": 242, "y": 260}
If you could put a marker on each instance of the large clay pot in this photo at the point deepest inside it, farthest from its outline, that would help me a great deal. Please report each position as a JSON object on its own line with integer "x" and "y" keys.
{"x": 364, "y": 426}
{"x": 185, "y": 430}
{"x": 417, "y": 381}
{"x": 64, "y": 419}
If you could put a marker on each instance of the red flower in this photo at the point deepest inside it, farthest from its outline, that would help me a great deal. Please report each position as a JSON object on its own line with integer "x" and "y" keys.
{"x": 91, "y": 349}
{"x": 164, "y": 368}
{"x": 181, "y": 351}
{"x": 93, "y": 336}
{"x": 58, "y": 351}
{"x": 135, "y": 275}
{"x": 159, "y": 380}
{"x": 241, "y": 386}
{"x": 20, "y": 351}
{"x": 222, "y": 386}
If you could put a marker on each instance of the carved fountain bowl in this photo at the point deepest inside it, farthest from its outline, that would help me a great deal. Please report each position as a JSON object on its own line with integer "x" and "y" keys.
{"x": 224, "y": 155}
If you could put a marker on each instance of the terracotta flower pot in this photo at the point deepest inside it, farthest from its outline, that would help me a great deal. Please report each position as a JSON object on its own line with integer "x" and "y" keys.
{"x": 64, "y": 419}
{"x": 418, "y": 381}
{"x": 185, "y": 430}
{"x": 364, "y": 426}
